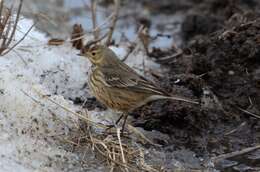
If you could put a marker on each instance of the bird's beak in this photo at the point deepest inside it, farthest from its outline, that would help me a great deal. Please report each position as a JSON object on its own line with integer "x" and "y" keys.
{"x": 80, "y": 54}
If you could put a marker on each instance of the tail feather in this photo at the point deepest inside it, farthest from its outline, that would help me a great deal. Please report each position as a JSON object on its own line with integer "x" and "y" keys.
{"x": 156, "y": 97}
{"x": 183, "y": 99}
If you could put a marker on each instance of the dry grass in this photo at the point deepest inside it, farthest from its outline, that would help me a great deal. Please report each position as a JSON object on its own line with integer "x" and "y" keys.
{"x": 113, "y": 23}
{"x": 117, "y": 152}
{"x": 8, "y": 27}
{"x": 94, "y": 18}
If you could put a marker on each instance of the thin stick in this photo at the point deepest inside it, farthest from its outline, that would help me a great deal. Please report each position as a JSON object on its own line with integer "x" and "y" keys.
{"x": 133, "y": 44}
{"x": 77, "y": 114}
{"x": 113, "y": 25}
{"x": 249, "y": 113}
{"x": 8, "y": 24}
{"x": 236, "y": 129}
{"x": 167, "y": 58}
{"x": 235, "y": 153}
{"x": 1, "y": 8}
{"x": 18, "y": 42}
{"x": 116, "y": 162}
{"x": 21, "y": 57}
{"x": 32, "y": 98}
{"x": 250, "y": 101}
{"x": 95, "y": 41}
{"x": 103, "y": 23}
{"x": 71, "y": 111}
{"x": 120, "y": 144}
{"x": 177, "y": 54}
{"x": 16, "y": 21}
{"x": 131, "y": 49}
{"x": 94, "y": 18}
{"x": 114, "y": 158}
{"x": 85, "y": 33}
{"x": 2, "y": 35}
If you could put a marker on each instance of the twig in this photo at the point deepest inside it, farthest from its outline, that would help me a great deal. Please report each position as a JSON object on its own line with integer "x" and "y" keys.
{"x": 131, "y": 49}
{"x": 113, "y": 25}
{"x": 95, "y": 41}
{"x": 116, "y": 162}
{"x": 41, "y": 104}
{"x": 145, "y": 38}
{"x": 77, "y": 114}
{"x": 64, "y": 123}
{"x": 68, "y": 110}
{"x": 4, "y": 24}
{"x": 250, "y": 101}
{"x": 94, "y": 18}
{"x": 114, "y": 158}
{"x": 167, "y": 58}
{"x": 6, "y": 31}
{"x": 16, "y": 21}
{"x": 32, "y": 98}
{"x": 1, "y": 7}
{"x": 29, "y": 36}
{"x": 121, "y": 148}
{"x": 18, "y": 42}
{"x": 234, "y": 130}
{"x": 235, "y": 153}
{"x": 84, "y": 34}
{"x": 249, "y": 113}
{"x": 133, "y": 44}
{"x": 103, "y": 23}
{"x": 21, "y": 57}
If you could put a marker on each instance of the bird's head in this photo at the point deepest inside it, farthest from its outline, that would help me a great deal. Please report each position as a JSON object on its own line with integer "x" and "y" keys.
{"x": 99, "y": 55}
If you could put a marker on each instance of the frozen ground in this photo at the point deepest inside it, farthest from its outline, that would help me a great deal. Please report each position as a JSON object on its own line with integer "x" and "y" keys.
{"x": 29, "y": 122}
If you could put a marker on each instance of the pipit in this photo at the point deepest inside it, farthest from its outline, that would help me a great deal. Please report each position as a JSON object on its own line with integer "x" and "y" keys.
{"x": 118, "y": 86}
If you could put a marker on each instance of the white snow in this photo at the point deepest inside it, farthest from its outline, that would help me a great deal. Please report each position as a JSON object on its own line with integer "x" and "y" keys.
{"x": 28, "y": 121}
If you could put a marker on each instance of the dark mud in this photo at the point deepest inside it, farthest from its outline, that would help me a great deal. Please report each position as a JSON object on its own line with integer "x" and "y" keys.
{"x": 220, "y": 65}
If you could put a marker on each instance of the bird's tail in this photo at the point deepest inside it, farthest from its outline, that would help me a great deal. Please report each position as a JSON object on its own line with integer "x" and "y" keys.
{"x": 156, "y": 97}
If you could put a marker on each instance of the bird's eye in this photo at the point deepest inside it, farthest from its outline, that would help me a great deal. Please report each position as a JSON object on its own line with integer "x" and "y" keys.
{"x": 93, "y": 53}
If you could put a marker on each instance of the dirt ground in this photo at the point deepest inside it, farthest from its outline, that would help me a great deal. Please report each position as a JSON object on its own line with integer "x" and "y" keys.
{"x": 220, "y": 66}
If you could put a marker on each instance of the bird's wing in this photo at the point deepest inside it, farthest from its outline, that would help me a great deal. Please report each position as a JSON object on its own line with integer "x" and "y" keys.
{"x": 125, "y": 77}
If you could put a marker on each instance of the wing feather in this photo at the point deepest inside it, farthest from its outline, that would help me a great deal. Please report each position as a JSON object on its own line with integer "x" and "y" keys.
{"x": 127, "y": 78}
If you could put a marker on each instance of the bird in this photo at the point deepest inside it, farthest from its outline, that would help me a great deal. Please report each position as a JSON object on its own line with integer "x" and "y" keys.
{"x": 118, "y": 86}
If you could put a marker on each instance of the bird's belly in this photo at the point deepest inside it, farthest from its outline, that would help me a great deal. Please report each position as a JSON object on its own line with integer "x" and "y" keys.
{"x": 115, "y": 98}
{"x": 101, "y": 92}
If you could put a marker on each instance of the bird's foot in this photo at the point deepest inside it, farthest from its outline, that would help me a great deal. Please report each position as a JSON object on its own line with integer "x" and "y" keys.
{"x": 123, "y": 130}
{"x": 110, "y": 127}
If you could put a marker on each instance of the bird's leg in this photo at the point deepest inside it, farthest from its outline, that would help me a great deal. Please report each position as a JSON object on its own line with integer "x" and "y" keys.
{"x": 117, "y": 121}
{"x": 125, "y": 115}
{"x": 123, "y": 126}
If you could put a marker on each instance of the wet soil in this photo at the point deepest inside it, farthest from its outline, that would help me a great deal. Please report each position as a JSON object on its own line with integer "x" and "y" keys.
{"x": 220, "y": 66}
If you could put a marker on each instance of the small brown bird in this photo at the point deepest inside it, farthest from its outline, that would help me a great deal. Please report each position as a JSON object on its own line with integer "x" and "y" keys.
{"x": 118, "y": 86}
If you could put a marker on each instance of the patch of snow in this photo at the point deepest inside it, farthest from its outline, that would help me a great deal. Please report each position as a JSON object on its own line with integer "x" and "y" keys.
{"x": 28, "y": 121}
